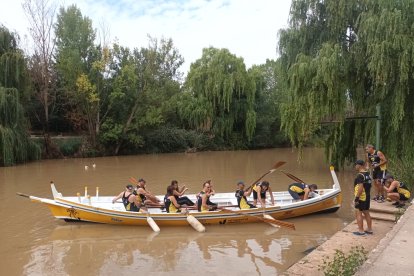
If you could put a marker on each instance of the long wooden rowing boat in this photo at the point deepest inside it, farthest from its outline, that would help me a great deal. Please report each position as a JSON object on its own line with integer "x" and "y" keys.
{"x": 100, "y": 209}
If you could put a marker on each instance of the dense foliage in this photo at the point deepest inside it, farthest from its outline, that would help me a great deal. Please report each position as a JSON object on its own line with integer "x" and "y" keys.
{"x": 15, "y": 145}
{"x": 341, "y": 58}
{"x": 125, "y": 100}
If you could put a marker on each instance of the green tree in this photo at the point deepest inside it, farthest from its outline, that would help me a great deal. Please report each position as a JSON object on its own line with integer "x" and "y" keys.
{"x": 268, "y": 99}
{"x": 15, "y": 143}
{"x": 221, "y": 95}
{"x": 342, "y": 58}
{"x": 79, "y": 69}
{"x": 144, "y": 80}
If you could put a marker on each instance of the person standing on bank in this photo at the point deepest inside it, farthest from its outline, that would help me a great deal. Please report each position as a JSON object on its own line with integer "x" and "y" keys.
{"x": 378, "y": 162}
{"x": 362, "y": 190}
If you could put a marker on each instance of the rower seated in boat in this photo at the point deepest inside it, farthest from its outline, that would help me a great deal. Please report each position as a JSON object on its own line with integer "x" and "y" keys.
{"x": 171, "y": 204}
{"x": 302, "y": 191}
{"x": 259, "y": 192}
{"x": 146, "y": 197}
{"x": 130, "y": 201}
{"x": 203, "y": 198}
{"x": 179, "y": 192}
{"x": 241, "y": 195}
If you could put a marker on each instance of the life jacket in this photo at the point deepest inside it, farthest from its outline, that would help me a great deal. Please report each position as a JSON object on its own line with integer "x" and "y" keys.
{"x": 242, "y": 200}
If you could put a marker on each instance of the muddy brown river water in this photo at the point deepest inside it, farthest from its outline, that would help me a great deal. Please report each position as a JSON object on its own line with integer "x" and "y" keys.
{"x": 35, "y": 243}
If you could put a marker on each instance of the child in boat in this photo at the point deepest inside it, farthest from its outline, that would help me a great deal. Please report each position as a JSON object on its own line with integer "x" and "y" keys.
{"x": 203, "y": 198}
{"x": 130, "y": 201}
{"x": 302, "y": 191}
{"x": 259, "y": 192}
{"x": 171, "y": 204}
{"x": 241, "y": 196}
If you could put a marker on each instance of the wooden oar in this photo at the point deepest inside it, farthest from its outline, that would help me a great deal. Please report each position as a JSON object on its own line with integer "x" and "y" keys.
{"x": 152, "y": 223}
{"x": 271, "y": 221}
{"x": 291, "y": 176}
{"x": 274, "y": 168}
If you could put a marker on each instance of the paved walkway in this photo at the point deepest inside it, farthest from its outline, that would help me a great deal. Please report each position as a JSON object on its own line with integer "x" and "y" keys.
{"x": 394, "y": 254}
{"x": 383, "y": 225}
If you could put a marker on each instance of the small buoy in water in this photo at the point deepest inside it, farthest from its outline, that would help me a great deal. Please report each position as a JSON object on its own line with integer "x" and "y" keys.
{"x": 86, "y": 167}
{"x": 94, "y": 165}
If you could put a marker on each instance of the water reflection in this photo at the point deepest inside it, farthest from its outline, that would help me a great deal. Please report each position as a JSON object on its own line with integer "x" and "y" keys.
{"x": 104, "y": 249}
{"x": 33, "y": 242}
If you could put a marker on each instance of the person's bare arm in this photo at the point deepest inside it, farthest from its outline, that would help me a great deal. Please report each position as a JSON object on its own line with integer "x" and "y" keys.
{"x": 248, "y": 192}
{"x": 262, "y": 200}
{"x": 117, "y": 197}
{"x": 306, "y": 195}
{"x": 392, "y": 186}
{"x": 383, "y": 159}
{"x": 147, "y": 194}
{"x": 272, "y": 199}
{"x": 174, "y": 201}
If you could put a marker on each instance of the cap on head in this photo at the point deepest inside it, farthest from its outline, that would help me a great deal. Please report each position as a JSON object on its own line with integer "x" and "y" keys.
{"x": 129, "y": 186}
{"x": 240, "y": 182}
{"x": 360, "y": 162}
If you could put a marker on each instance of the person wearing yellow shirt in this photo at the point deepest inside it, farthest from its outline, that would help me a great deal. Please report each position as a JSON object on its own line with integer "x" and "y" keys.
{"x": 362, "y": 191}
{"x": 241, "y": 195}
{"x": 397, "y": 191}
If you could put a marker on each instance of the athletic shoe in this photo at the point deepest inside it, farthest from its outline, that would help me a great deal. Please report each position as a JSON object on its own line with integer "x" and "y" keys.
{"x": 359, "y": 233}
{"x": 400, "y": 205}
{"x": 375, "y": 198}
{"x": 396, "y": 203}
{"x": 380, "y": 199}
{"x": 369, "y": 232}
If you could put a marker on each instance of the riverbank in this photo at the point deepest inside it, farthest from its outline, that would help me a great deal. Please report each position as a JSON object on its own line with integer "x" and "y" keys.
{"x": 393, "y": 255}
{"x": 385, "y": 231}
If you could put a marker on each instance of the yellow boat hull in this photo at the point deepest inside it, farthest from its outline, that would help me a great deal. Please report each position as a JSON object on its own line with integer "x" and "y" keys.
{"x": 68, "y": 210}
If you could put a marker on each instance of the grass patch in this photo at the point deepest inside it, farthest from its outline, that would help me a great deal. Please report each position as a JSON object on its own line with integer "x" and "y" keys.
{"x": 344, "y": 264}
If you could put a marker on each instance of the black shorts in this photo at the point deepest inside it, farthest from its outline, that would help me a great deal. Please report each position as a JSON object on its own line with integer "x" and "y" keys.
{"x": 295, "y": 195}
{"x": 378, "y": 174}
{"x": 263, "y": 195}
{"x": 402, "y": 197}
{"x": 364, "y": 205}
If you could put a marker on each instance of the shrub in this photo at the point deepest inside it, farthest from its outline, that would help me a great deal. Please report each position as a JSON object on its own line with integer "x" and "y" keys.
{"x": 344, "y": 265}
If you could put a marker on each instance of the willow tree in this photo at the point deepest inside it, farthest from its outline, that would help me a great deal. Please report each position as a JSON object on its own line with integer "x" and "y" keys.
{"x": 223, "y": 95}
{"x": 15, "y": 143}
{"x": 13, "y": 67}
{"x": 341, "y": 58}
